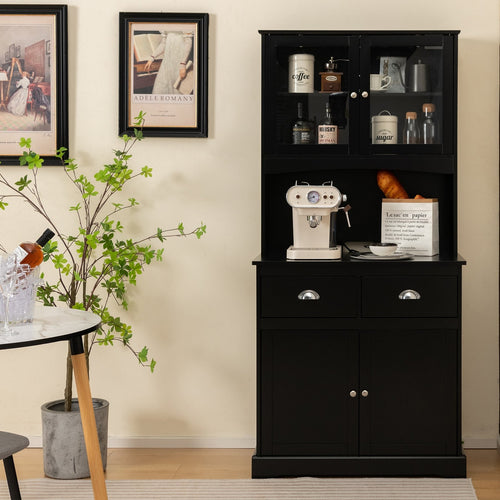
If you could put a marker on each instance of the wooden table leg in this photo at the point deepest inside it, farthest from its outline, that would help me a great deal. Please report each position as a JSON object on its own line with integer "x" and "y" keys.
{"x": 88, "y": 419}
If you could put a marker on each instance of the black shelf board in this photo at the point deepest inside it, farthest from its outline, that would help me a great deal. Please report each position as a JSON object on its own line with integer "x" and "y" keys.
{"x": 377, "y": 93}
{"x": 401, "y": 95}
{"x": 284, "y": 163}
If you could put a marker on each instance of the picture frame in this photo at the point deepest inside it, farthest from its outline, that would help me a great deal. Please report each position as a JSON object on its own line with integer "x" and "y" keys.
{"x": 163, "y": 72}
{"x": 34, "y": 83}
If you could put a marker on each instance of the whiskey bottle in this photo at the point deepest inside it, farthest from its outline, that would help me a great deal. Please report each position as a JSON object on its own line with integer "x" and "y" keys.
{"x": 302, "y": 132}
{"x": 327, "y": 131}
{"x": 32, "y": 253}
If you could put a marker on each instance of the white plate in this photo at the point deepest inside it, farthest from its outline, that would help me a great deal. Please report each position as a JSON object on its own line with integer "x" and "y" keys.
{"x": 372, "y": 256}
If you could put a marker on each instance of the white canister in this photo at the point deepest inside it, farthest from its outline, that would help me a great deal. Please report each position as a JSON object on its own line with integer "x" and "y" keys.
{"x": 301, "y": 73}
{"x": 384, "y": 128}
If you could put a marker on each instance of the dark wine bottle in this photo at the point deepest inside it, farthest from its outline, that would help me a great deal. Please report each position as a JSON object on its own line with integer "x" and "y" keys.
{"x": 302, "y": 131}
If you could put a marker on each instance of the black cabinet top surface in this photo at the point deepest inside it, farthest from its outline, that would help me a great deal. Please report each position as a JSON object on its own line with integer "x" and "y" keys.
{"x": 415, "y": 260}
{"x": 360, "y": 32}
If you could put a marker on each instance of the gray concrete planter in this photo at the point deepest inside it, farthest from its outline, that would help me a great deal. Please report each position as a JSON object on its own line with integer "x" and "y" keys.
{"x": 64, "y": 454}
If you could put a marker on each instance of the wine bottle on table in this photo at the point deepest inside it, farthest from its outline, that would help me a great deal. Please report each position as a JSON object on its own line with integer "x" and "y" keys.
{"x": 32, "y": 253}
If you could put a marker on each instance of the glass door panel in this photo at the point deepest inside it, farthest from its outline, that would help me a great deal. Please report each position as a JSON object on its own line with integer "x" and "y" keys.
{"x": 309, "y": 103}
{"x": 404, "y": 78}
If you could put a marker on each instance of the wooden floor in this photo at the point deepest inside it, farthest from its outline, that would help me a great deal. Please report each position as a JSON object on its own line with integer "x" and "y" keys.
{"x": 483, "y": 466}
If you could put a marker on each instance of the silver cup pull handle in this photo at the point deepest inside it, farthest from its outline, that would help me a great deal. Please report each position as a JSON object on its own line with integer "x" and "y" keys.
{"x": 308, "y": 295}
{"x": 409, "y": 295}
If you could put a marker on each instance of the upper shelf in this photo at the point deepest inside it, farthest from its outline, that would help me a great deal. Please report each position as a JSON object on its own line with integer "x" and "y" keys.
{"x": 289, "y": 163}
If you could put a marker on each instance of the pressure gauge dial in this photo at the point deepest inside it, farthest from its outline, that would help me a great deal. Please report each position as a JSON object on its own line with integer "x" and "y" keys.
{"x": 313, "y": 197}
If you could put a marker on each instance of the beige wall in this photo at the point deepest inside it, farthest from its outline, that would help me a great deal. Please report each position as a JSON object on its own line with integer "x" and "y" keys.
{"x": 196, "y": 310}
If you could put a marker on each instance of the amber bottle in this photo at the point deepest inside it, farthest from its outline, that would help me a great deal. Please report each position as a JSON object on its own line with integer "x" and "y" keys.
{"x": 32, "y": 253}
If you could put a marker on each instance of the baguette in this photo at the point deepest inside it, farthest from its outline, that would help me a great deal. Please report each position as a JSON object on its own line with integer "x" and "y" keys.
{"x": 390, "y": 186}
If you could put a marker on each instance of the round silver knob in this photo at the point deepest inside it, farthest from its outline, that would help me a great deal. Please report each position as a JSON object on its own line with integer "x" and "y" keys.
{"x": 353, "y": 394}
{"x": 364, "y": 393}
{"x": 409, "y": 295}
{"x": 364, "y": 94}
{"x": 354, "y": 95}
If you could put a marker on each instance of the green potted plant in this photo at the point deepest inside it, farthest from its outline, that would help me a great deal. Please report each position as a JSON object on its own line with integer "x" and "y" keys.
{"x": 95, "y": 264}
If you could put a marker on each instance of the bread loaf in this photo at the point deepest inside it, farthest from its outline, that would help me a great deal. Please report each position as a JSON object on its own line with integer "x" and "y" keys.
{"x": 390, "y": 186}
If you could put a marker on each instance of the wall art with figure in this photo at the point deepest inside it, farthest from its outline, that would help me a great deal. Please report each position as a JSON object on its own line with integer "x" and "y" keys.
{"x": 163, "y": 72}
{"x": 33, "y": 83}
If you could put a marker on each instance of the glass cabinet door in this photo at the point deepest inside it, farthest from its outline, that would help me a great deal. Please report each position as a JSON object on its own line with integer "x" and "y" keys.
{"x": 307, "y": 79}
{"x": 403, "y": 99}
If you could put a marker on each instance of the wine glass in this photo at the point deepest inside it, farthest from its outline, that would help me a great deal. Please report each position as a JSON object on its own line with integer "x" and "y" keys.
{"x": 11, "y": 276}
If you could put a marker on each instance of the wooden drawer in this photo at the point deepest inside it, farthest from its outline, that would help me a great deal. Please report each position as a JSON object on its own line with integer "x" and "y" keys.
{"x": 426, "y": 296}
{"x": 337, "y": 296}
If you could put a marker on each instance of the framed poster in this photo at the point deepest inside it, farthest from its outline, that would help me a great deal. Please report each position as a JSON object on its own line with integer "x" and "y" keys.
{"x": 33, "y": 83}
{"x": 164, "y": 73}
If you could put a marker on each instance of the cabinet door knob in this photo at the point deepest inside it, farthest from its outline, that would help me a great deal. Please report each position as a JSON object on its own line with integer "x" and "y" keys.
{"x": 354, "y": 95}
{"x": 308, "y": 295}
{"x": 364, "y": 393}
{"x": 353, "y": 394}
{"x": 409, "y": 295}
{"x": 364, "y": 94}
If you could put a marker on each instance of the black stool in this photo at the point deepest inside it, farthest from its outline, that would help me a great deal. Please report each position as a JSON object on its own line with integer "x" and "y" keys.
{"x": 10, "y": 444}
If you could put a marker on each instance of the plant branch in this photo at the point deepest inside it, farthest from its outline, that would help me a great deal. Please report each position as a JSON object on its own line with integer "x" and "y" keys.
{"x": 97, "y": 264}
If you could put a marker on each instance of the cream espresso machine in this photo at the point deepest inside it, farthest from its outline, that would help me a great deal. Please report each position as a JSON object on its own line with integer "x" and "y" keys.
{"x": 314, "y": 213}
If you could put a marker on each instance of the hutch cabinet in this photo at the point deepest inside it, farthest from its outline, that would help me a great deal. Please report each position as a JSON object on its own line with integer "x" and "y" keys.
{"x": 358, "y": 382}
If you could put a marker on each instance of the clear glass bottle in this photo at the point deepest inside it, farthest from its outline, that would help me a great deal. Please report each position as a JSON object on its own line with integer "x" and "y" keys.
{"x": 327, "y": 131}
{"x": 429, "y": 125}
{"x": 302, "y": 131}
{"x": 411, "y": 132}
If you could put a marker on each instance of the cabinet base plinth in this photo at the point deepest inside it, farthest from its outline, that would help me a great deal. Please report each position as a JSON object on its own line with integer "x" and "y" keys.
{"x": 442, "y": 466}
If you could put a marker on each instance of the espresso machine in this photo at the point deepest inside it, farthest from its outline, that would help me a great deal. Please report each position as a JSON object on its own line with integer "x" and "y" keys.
{"x": 314, "y": 213}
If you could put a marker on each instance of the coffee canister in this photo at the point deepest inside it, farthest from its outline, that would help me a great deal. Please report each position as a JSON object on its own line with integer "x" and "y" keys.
{"x": 384, "y": 128}
{"x": 301, "y": 73}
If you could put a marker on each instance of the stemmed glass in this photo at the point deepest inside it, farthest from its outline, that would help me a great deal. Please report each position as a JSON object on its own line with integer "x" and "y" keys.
{"x": 11, "y": 277}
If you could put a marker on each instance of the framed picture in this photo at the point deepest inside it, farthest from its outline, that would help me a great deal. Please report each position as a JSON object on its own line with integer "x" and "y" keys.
{"x": 164, "y": 73}
{"x": 33, "y": 83}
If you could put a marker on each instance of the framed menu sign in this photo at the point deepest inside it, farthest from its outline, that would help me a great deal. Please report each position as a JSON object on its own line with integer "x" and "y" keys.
{"x": 164, "y": 73}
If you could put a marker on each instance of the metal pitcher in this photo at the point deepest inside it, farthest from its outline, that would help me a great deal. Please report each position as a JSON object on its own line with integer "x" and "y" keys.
{"x": 419, "y": 78}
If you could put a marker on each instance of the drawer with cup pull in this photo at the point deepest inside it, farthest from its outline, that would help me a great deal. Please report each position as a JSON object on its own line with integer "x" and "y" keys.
{"x": 309, "y": 296}
{"x": 409, "y": 296}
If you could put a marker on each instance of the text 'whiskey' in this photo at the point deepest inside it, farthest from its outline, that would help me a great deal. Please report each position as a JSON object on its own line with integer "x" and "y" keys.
{"x": 327, "y": 131}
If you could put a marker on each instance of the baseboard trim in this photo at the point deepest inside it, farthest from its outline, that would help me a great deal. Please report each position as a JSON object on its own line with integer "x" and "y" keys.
{"x": 481, "y": 443}
{"x": 204, "y": 442}
{"x": 167, "y": 442}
